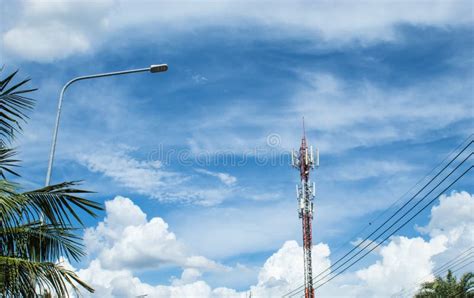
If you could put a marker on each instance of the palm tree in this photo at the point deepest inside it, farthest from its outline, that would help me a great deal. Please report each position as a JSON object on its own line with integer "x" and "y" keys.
{"x": 448, "y": 287}
{"x": 38, "y": 227}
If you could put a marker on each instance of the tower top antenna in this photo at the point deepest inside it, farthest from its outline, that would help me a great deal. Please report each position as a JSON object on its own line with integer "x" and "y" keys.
{"x": 304, "y": 129}
{"x": 303, "y": 160}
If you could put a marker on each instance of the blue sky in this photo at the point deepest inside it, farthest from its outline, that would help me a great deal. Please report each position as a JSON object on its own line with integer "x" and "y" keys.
{"x": 385, "y": 89}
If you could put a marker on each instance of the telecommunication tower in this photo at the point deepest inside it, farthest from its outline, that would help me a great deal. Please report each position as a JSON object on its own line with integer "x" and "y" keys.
{"x": 305, "y": 161}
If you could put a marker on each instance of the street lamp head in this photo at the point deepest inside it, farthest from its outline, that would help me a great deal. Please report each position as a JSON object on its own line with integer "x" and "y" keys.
{"x": 158, "y": 68}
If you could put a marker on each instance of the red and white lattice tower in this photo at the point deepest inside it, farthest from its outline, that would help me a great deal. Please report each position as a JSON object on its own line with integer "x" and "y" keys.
{"x": 305, "y": 161}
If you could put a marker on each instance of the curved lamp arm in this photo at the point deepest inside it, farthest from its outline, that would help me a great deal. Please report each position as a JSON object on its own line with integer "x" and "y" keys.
{"x": 153, "y": 69}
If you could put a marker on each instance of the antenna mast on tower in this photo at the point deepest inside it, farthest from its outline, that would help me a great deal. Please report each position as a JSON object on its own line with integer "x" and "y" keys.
{"x": 304, "y": 161}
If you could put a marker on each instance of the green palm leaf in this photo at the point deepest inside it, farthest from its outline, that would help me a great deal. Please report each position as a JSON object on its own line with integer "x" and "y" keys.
{"x": 16, "y": 276}
{"x": 39, "y": 241}
{"x": 13, "y": 107}
{"x": 448, "y": 287}
{"x": 56, "y": 203}
{"x": 37, "y": 228}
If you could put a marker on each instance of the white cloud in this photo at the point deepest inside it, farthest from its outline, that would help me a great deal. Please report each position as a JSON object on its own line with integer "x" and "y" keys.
{"x": 364, "y": 114}
{"x": 279, "y": 273}
{"x": 340, "y": 115}
{"x": 225, "y": 178}
{"x": 443, "y": 221}
{"x": 49, "y": 30}
{"x": 122, "y": 283}
{"x": 404, "y": 262}
{"x": 369, "y": 168}
{"x": 453, "y": 217}
{"x": 152, "y": 179}
{"x": 45, "y": 42}
{"x": 189, "y": 275}
{"x": 407, "y": 262}
{"x": 126, "y": 240}
{"x": 146, "y": 177}
{"x": 283, "y": 270}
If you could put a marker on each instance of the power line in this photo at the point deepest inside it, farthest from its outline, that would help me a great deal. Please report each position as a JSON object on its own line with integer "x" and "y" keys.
{"x": 449, "y": 265}
{"x": 401, "y": 208}
{"x": 359, "y": 244}
{"x": 378, "y": 244}
{"x": 456, "y": 262}
{"x": 418, "y": 182}
{"x": 462, "y": 257}
{"x": 439, "y": 273}
{"x": 406, "y": 213}
{"x": 396, "y": 230}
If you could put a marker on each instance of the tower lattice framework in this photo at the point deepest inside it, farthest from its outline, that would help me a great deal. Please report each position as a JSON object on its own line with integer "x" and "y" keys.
{"x": 304, "y": 161}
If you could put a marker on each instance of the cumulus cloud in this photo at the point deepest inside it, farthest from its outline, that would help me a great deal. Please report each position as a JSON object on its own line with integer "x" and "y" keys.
{"x": 453, "y": 218}
{"x": 279, "y": 273}
{"x": 402, "y": 263}
{"x": 283, "y": 270}
{"x": 49, "y": 30}
{"x": 125, "y": 239}
{"x": 122, "y": 283}
{"x": 126, "y": 242}
{"x": 443, "y": 221}
{"x": 407, "y": 262}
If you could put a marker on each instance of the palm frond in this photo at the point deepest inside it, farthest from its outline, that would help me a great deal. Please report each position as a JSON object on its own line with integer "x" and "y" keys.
{"x": 41, "y": 242}
{"x": 25, "y": 242}
{"x": 448, "y": 287}
{"x": 36, "y": 227}
{"x": 58, "y": 204}
{"x": 13, "y": 107}
{"x": 16, "y": 276}
{"x": 7, "y": 162}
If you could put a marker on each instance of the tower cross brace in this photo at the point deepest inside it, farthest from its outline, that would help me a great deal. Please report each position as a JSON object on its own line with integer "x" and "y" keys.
{"x": 304, "y": 161}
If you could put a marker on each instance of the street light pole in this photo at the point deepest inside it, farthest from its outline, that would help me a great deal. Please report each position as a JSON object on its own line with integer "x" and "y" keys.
{"x": 152, "y": 69}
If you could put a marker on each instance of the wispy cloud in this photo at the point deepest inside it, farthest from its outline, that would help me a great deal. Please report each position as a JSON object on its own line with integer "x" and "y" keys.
{"x": 151, "y": 178}
{"x": 225, "y": 178}
{"x": 340, "y": 115}
{"x": 49, "y": 30}
{"x": 369, "y": 168}
{"x": 146, "y": 177}
{"x": 159, "y": 180}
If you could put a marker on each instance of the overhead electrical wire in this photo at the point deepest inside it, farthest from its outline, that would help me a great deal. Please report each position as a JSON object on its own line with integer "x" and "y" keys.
{"x": 360, "y": 243}
{"x": 400, "y": 218}
{"x": 450, "y": 265}
{"x": 375, "y": 218}
{"x": 296, "y": 290}
{"x": 396, "y": 230}
{"x": 460, "y": 259}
